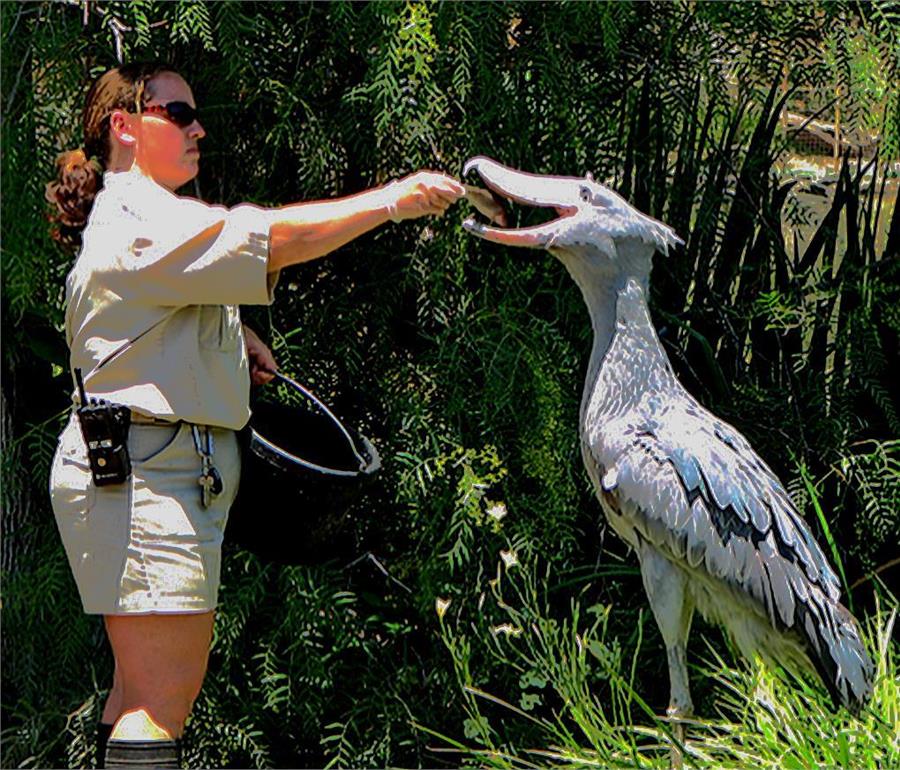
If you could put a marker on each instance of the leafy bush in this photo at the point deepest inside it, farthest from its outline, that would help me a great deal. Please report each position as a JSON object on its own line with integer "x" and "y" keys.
{"x": 462, "y": 360}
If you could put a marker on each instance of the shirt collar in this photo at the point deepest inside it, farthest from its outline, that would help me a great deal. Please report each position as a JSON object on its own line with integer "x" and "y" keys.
{"x": 113, "y": 179}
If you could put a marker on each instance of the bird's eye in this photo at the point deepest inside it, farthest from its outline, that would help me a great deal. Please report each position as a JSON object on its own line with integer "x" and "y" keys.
{"x": 586, "y": 194}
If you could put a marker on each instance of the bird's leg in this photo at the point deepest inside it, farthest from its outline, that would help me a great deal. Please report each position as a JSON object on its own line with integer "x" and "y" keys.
{"x": 666, "y": 587}
{"x": 680, "y": 705}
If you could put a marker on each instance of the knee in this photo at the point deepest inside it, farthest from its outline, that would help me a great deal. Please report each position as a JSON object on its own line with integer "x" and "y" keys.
{"x": 161, "y": 663}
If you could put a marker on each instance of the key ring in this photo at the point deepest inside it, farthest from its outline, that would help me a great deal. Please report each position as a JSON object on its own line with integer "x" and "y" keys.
{"x": 210, "y": 479}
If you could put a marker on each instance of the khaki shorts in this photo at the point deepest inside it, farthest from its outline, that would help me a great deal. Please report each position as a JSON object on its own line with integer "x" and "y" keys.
{"x": 147, "y": 545}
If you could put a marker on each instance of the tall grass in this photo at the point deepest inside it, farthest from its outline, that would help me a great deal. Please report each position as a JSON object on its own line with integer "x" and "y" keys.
{"x": 572, "y": 700}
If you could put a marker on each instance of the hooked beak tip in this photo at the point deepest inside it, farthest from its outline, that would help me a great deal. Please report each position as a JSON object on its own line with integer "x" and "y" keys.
{"x": 470, "y": 164}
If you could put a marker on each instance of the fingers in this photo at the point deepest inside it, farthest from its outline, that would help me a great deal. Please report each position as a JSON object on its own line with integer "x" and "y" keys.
{"x": 439, "y": 203}
{"x": 438, "y": 193}
{"x": 440, "y": 183}
{"x": 425, "y": 193}
{"x": 259, "y": 376}
{"x": 262, "y": 363}
{"x": 438, "y": 197}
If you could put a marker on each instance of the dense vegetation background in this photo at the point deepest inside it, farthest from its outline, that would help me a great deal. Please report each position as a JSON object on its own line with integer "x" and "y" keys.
{"x": 464, "y": 362}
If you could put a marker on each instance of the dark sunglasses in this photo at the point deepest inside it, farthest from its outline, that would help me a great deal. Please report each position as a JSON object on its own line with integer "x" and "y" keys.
{"x": 180, "y": 113}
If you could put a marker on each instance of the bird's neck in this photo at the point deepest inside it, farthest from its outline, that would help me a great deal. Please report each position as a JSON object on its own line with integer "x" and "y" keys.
{"x": 601, "y": 303}
{"x": 600, "y": 290}
{"x": 624, "y": 332}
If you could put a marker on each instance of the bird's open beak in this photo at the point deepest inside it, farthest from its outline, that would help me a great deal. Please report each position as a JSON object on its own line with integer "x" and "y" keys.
{"x": 529, "y": 190}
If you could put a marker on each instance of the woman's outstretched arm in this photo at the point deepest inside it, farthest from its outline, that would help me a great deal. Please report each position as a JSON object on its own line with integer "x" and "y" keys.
{"x": 305, "y": 231}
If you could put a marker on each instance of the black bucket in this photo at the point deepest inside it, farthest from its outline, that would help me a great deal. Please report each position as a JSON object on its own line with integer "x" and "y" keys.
{"x": 301, "y": 472}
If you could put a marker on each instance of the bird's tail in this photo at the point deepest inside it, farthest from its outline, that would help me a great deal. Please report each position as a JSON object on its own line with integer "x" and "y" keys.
{"x": 836, "y": 650}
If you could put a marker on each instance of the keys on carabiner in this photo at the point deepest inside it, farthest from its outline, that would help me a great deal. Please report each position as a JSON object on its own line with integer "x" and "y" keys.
{"x": 205, "y": 481}
{"x": 210, "y": 479}
{"x": 213, "y": 481}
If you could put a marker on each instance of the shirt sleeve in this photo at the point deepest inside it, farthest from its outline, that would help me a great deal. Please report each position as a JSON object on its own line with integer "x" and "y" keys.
{"x": 180, "y": 251}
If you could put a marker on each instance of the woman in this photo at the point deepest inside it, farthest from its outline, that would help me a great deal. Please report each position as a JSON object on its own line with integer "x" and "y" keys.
{"x": 152, "y": 323}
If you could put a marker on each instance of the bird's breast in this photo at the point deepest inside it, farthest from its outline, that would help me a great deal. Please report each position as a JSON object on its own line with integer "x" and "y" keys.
{"x": 620, "y": 524}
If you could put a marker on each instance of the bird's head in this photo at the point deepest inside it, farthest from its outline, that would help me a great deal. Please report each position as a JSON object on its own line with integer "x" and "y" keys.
{"x": 596, "y": 230}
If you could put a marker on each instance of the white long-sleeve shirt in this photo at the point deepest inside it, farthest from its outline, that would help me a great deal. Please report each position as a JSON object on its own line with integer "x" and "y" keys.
{"x": 168, "y": 272}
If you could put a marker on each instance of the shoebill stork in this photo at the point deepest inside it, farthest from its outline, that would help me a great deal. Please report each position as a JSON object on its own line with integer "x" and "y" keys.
{"x": 712, "y": 526}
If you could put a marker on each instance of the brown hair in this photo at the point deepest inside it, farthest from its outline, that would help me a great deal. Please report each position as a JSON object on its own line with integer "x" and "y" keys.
{"x": 79, "y": 173}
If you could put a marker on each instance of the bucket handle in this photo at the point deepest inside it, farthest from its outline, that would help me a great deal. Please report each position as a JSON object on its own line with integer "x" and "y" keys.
{"x": 305, "y": 391}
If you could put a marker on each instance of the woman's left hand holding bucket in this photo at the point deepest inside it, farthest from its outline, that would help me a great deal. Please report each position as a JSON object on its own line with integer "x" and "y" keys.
{"x": 262, "y": 362}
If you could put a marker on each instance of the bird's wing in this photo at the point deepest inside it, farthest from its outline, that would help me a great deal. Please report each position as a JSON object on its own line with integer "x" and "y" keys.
{"x": 692, "y": 485}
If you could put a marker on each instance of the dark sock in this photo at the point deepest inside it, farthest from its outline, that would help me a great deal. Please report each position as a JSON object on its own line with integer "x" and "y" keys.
{"x": 103, "y": 731}
{"x": 135, "y": 754}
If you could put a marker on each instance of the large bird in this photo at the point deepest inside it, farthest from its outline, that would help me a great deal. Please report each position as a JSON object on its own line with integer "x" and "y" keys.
{"x": 712, "y": 526}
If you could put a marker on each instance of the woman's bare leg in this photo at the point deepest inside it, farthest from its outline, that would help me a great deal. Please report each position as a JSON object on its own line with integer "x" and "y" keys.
{"x": 160, "y": 665}
{"x": 113, "y": 706}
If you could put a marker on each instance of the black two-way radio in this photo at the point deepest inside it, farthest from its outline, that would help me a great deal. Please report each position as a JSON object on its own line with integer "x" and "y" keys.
{"x": 105, "y": 430}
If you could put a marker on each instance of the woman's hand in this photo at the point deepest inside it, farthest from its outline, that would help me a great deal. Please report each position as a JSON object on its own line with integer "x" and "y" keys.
{"x": 421, "y": 194}
{"x": 262, "y": 362}
{"x": 305, "y": 231}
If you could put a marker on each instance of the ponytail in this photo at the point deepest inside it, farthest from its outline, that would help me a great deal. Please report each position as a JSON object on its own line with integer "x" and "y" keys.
{"x": 79, "y": 173}
{"x": 71, "y": 194}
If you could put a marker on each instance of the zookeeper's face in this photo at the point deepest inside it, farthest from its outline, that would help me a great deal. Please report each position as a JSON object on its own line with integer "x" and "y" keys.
{"x": 167, "y": 133}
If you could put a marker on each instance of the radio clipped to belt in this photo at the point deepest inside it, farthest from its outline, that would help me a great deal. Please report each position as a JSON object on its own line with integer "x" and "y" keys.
{"x": 105, "y": 430}
{"x": 105, "y": 425}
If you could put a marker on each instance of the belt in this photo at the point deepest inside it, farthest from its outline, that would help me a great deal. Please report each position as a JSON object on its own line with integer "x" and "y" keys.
{"x": 138, "y": 418}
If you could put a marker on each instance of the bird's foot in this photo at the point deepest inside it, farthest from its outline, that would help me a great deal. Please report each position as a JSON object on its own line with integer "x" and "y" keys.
{"x": 675, "y": 716}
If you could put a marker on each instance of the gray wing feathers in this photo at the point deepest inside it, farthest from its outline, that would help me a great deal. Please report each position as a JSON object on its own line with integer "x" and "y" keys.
{"x": 758, "y": 490}
{"x": 698, "y": 488}
{"x": 692, "y": 485}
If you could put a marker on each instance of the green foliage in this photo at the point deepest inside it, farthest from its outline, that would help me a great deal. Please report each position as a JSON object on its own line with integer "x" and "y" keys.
{"x": 576, "y": 701}
{"x": 464, "y": 362}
